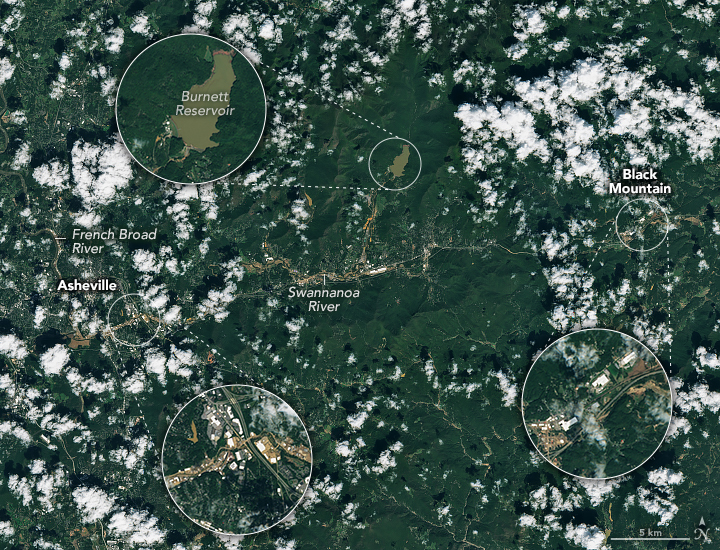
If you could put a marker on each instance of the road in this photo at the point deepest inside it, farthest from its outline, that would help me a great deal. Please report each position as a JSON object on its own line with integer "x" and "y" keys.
{"x": 627, "y": 384}
{"x": 248, "y": 442}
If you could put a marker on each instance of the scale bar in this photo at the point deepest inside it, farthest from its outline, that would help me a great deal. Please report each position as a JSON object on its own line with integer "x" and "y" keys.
{"x": 653, "y": 538}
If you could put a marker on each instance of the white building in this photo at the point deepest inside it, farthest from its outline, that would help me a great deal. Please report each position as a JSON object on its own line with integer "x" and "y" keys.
{"x": 567, "y": 423}
{"x": 628, "y": 360}
{"x": 600, "y": 381}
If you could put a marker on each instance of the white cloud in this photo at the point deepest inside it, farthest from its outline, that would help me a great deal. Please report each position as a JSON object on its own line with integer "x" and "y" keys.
{"x": 140, "y": 25}
{"x": 678, "y": 425}
{"x": 12, "y": 347}
{"x": 179, "y": 360}
{"x": 267, "y": 30}
{"x": 136, "y": 527}
{"x": 589, "y": 537}
{"x": 385, "y": 461}
{"x": 19, "y": 432}
{"x": 699, "y": 397}
{"x": 332, "y": 490}
{"x": 146, "y": 261}
{"x": 18, "y": 117}
{"x": 707, "y": 358}
{"x": 53, "y": 175}
{"x": 664, "y": 477}
{"x": 527, "y": 521}
{"x": 100, "y": 171}
{"x": 22, "y": 157}
{"x": 114, "y": 40}
{"x": 357, "y": 420}
{"x": 622, "y": 103}
{"x": 21, "y": 488}
{"x": 657, "y": 506}
{"x": 294, "y": 326}
{"x": 54, "y": 359}
{"x": 155, "y": 362}
{"x": 65, "y": 61}
{"x": 512, "y": 123}
{"x": 6, "y": 529}
{"x": 47, "y": 487}
{"x": 598, "y": 490}
{"x": 6, "y": 70}
{"x": 134, "y": 384}
{"x": 508, "y": 387}
{"x": 37, "y": 467}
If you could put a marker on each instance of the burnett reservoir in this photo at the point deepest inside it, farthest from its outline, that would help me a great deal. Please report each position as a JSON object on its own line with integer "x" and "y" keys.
{"x": 398, "y": 166}
{"x": 196, "y": 130}
{"x": 191, "y": 108}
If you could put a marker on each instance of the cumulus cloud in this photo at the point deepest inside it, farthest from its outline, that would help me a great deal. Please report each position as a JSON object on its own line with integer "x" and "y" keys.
{"x": 53, "y": 175}
{"x": 589, "y": 537}
{"x": 598, "y": 490}
{"x": 385, "y": 461}
{"x": 22, "y": 157}
{"x": 22, "y": 488}
{"x": 657, "y": 506}
{"x": 17, "y": 431}
{"x": 140, "y": 25}
{"x": 114, "y": 40}
{"x": 100, "y": 171}
{"x": 6, "y": 529}
{"x": 54, "y": 359}
{"x": 155, "y": 362}
{"x": 508, "y": 388}
{"x": 11, "y": 346}
{"x": 6, "y": 70}
{"x": 136, "y": 527}
{"x": 624, "y": 103}
{"x": 699, "y": 398}
{"x": 664, "y": 477}
{"x": 707, "y": 358}
{"x": 512, "y": 123}
{"x": 357, "y": 420}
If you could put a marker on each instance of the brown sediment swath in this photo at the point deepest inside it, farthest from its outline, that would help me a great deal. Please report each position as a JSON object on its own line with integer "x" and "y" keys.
{"x": 639, "y": 368}
{"x": 400, "y": 161}
{"x": 196, "y": 130}
{"x": 194, "y": 437}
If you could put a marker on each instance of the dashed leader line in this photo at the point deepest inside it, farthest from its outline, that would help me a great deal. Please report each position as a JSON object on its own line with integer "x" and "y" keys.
{"x": 353, "y": 113}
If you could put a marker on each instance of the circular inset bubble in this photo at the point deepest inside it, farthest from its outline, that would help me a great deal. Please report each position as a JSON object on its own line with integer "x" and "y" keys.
{"x": 596, "y": 404}
{"x": 190, "y": 108}
{"x": 236, "y": 460}
{"x": 395, "y": 164}
{"x": 642, "y": 225}
{"x": 132, "y": 321}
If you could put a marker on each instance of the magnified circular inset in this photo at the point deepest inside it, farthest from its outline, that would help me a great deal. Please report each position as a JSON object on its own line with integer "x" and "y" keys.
{"x": 596, "y": 404}
{"x": 642, "y": 225}
{"x": 190, "y": 108}
{"x": 394, "y": 164}
{"x": 132, "y": 321}
{"x": 236, "y": 460}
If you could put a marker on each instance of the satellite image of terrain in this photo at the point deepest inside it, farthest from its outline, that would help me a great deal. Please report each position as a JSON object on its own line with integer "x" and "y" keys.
{"x": 561, "y": 173}
{"x": 236, "y": 459}
{"x": 596, "y": 403}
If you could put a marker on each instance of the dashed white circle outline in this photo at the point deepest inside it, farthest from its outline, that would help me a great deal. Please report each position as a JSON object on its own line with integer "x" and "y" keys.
{"x": 401, "y": 188}
{"x": 123, "y": 342}
{"x": 667, "y": 225}
{"x": 262, "y": 130}
{"x": 309, "y": 476}
{"x": 662, "y": 439}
